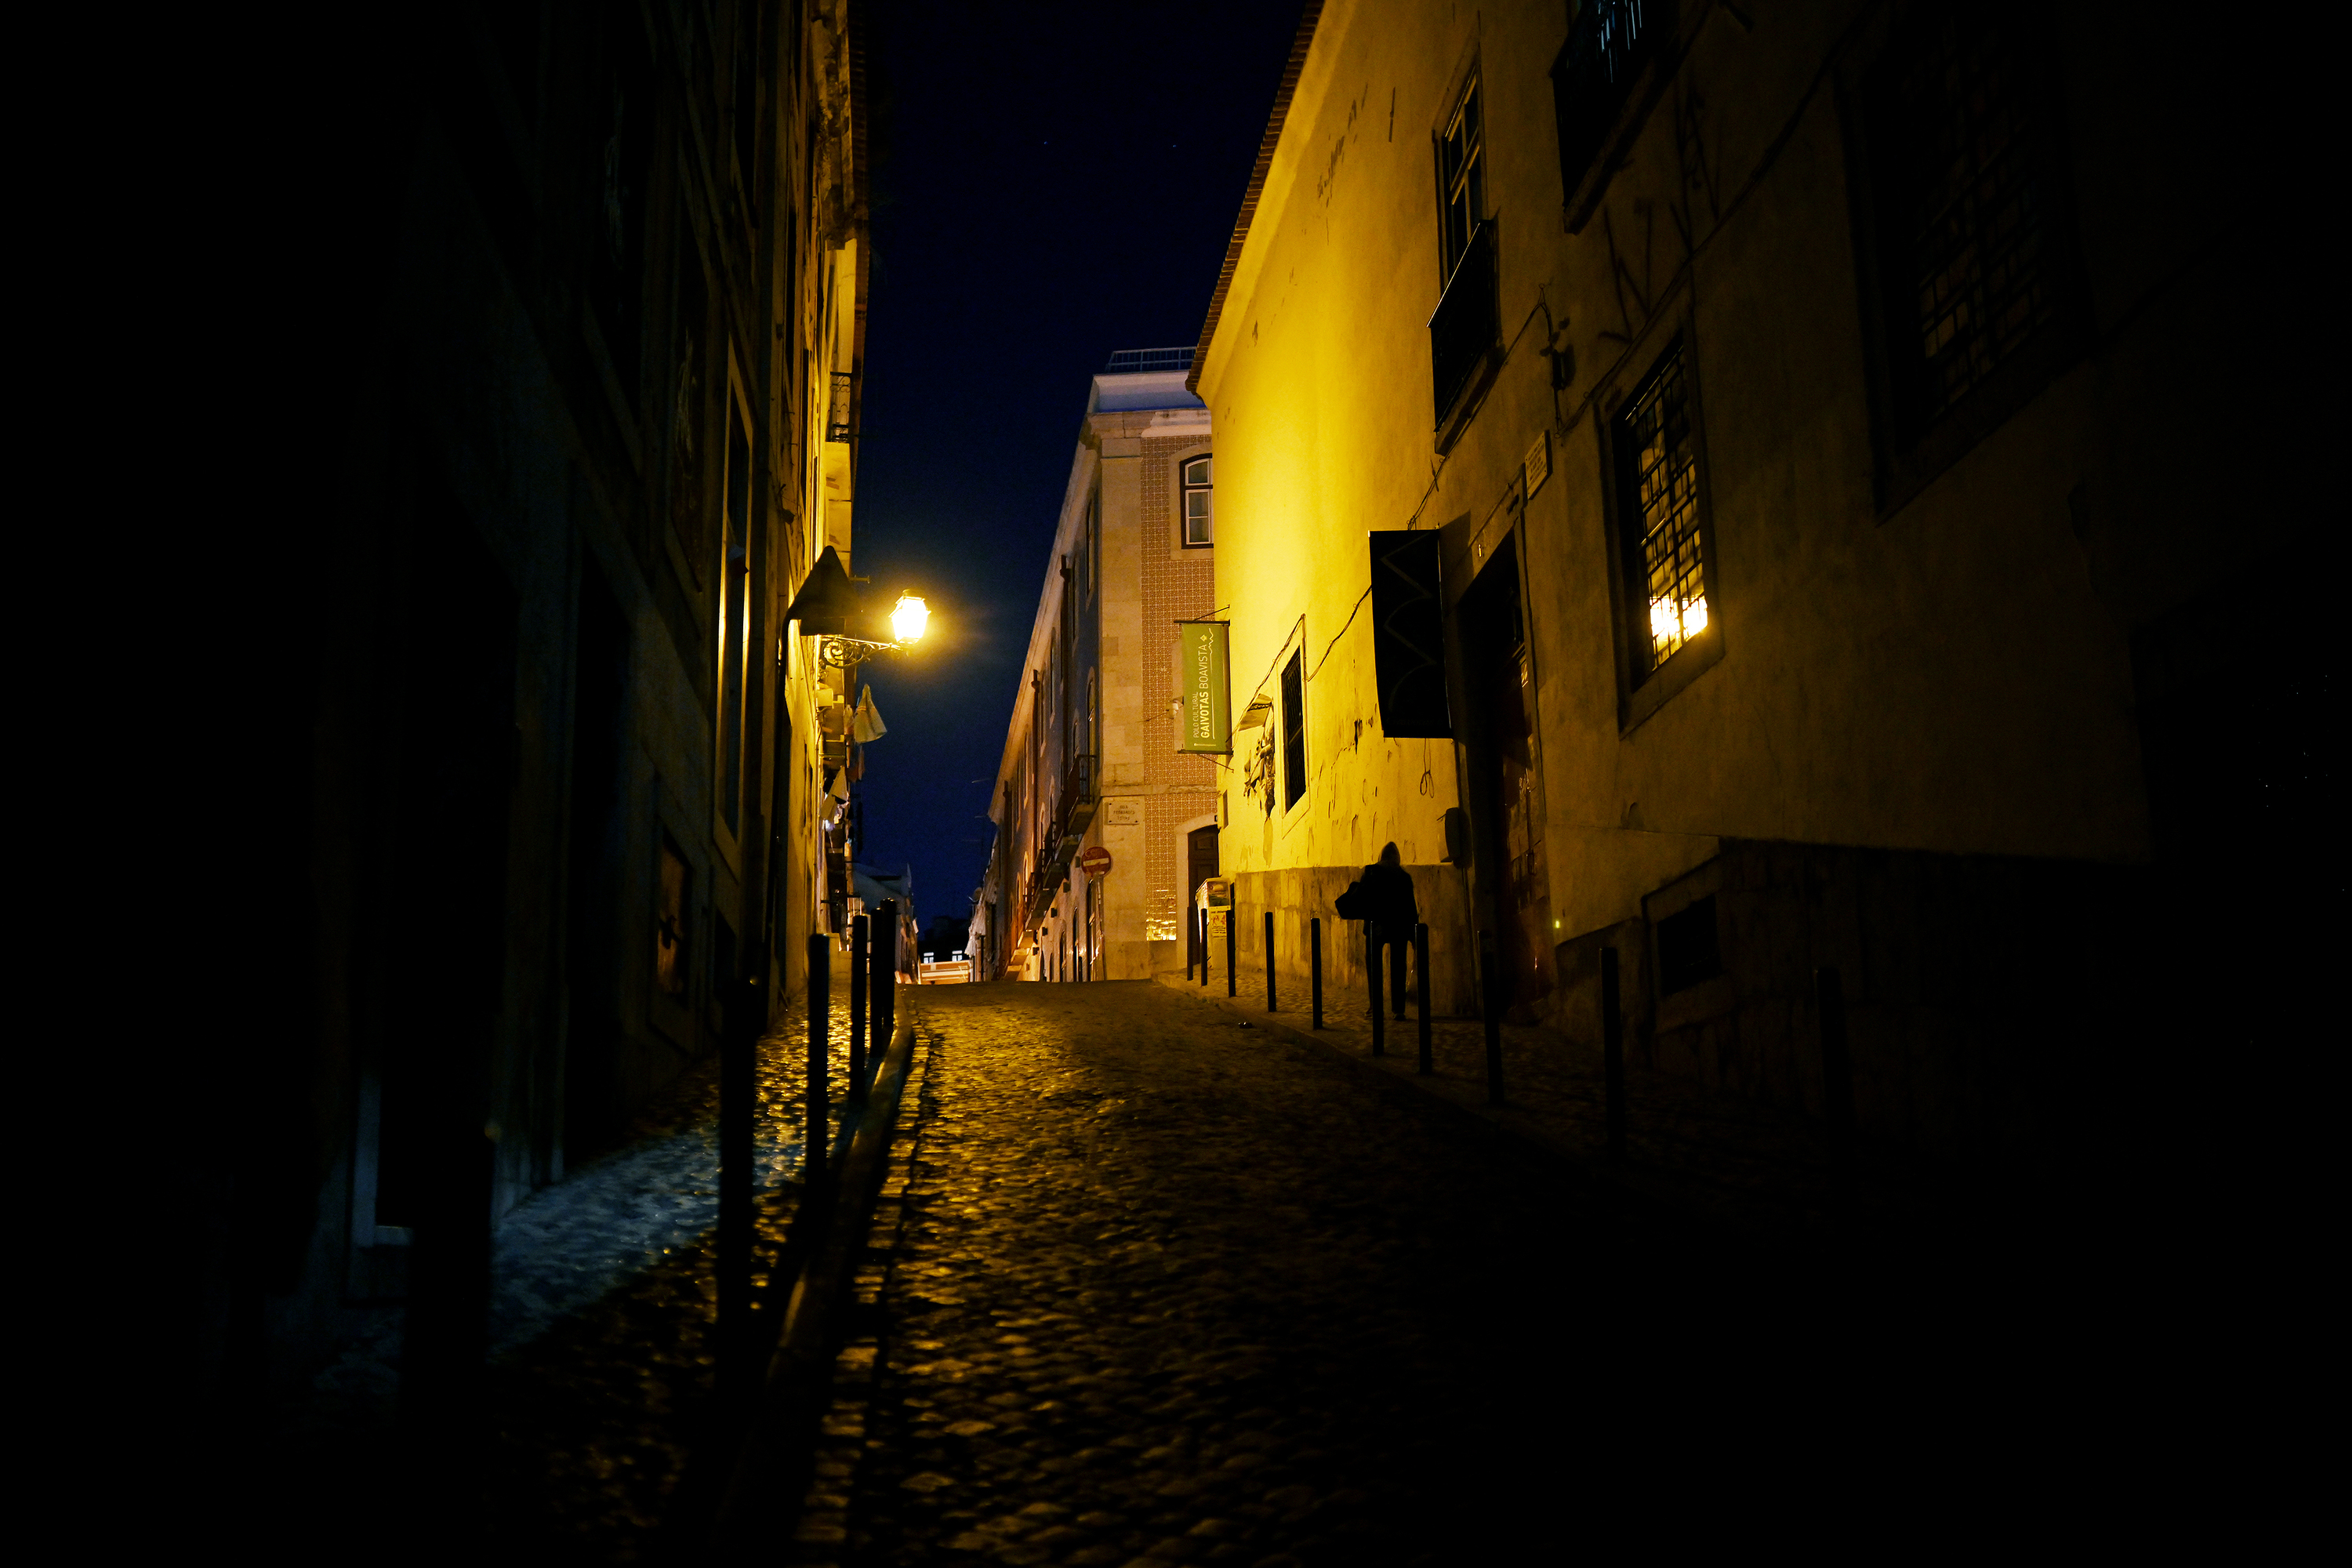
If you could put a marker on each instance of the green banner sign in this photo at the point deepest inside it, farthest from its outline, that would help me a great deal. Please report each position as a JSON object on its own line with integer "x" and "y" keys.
{"x": 1205, "y": 719}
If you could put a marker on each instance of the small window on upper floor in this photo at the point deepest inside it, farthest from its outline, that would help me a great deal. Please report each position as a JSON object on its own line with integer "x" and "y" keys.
{"x": 1199, "y": 519}
{"x": 1460, "y": 179}
{"x": 1964, "y": 179}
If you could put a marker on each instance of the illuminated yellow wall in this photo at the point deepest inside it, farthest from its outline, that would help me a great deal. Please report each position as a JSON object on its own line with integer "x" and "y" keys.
{"x": 1945, "y": 678}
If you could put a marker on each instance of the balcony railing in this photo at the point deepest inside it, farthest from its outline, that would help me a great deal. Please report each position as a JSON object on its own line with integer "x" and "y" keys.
{"x": 1074, "y": 811}
{"x": 1127, "y": 362}
{"x": 1466, "y": 328}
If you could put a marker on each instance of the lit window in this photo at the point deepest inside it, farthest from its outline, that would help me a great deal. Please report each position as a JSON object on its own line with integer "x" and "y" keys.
{"x": 1199, "y": 527}
{"x": 1659, "y": 478}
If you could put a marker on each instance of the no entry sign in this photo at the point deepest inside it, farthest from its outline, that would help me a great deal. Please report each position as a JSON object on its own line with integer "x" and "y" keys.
{"x": 1094, "y": 862}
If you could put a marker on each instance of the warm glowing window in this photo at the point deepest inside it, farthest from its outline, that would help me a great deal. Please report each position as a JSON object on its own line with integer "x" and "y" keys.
{"x": 1964, "y": 184}
{"x": 1658, "y": 479}
{"x": 1199, "y": 522}
{"x": 1462, "y": 177}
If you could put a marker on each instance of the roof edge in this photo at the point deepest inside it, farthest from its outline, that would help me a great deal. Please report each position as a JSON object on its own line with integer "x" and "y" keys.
{"x": 1291, "y": 72}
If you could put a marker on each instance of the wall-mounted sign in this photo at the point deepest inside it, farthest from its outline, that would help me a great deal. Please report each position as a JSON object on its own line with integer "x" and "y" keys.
{"x": 1205, "y": 703}
{"x": 1095, "y": 861}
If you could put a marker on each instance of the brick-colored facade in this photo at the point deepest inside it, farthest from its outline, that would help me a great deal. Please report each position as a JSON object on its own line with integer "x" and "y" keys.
{"x": 1103, "y": 652}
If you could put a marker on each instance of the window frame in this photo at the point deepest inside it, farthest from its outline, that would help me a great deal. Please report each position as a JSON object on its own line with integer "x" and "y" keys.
{"x": 1587, "y": 161}
{"x": 1453, "y": 245}
{"x": 1291, "y": 686}
{"x": 1185, "y": 489}
{"x": 1644, "y": 684}
{"x": 1912, "y": 450}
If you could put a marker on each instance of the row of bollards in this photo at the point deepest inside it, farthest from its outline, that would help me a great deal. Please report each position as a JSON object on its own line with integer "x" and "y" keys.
{"x": 872, "y": 975}
{"x": 1837, "y": 1067}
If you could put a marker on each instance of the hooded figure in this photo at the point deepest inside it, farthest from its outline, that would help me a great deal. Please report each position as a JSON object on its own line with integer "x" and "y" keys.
{"x": 1393, "y": 911}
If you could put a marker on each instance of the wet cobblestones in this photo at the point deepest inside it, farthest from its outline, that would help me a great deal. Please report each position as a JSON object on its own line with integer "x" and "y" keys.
{"x": 604, "y": 1301}
{"x": 1752, "y": 1168}
{"x": 1146, "y": 1286}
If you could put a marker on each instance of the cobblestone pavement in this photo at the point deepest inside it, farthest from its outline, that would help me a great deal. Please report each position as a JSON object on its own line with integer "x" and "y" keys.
{"x": 1753, "y": 1167}
{"x": 1147, "y": 1286}
{"x": 603, "y": 1299}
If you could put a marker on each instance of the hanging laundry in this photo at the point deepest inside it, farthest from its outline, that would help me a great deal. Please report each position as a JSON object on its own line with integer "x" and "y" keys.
{"x": 869, "y": 725}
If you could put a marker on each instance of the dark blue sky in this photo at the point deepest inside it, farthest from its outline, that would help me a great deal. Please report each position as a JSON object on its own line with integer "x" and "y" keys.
{"x": 1051, "y": 183}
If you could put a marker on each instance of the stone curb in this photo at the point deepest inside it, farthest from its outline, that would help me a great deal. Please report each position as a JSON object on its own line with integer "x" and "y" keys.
{"x": 766, "y": 1478}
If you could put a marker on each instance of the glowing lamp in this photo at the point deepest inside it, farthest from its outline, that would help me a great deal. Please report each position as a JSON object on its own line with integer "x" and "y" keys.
{"x": 909, "y": 619}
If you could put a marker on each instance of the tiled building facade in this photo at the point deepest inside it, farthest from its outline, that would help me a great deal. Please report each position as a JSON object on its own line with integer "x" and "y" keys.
{"x": 1090, "y": 762}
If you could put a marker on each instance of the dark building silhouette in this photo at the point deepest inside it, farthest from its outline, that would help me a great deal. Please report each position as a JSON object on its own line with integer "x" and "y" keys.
{"x": 571, "y": 306}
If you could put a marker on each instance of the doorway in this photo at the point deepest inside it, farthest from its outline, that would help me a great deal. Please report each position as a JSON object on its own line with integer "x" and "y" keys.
{"x": 1498, "y": 674}
{"x": 1200, "y": 865}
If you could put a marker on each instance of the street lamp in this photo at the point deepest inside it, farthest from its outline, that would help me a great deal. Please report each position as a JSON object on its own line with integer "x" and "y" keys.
{"x": 909, "y": 619}
{"x": 827, "y": 609}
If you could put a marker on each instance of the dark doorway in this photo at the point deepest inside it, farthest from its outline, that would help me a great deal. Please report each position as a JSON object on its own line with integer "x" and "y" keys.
{"x": 591, "y": 1091}
{"x": 1498, "y": 674}
{"x": 1200, "y": 865}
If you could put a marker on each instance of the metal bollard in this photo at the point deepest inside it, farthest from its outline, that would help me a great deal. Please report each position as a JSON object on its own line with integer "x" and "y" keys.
{"x": 1837, "y": 1076}
{"x": 1420, "y": 994}
{"x": 1314, "y": 967}
{"x": 1200, "y": 921}
{"x": 820, "y": 1033}
{"x": 1269, "y": 960}
{"x": 860, "y": 934}
{"x": 1232, "y": 975}
{"x": 1492, "y": 1011}
{"x": 1372, "y": 969}
{"x": 884, "y": 986}
{"x": 1612, "y": 1053}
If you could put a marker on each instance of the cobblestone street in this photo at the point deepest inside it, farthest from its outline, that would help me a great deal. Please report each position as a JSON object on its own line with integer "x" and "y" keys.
{"x": 1147, "y": 1285}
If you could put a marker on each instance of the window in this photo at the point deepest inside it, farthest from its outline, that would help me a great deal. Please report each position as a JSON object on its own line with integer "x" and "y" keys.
{"x": 1689, "y": 949}
{"x": 1658, "y": 498}
{"x": 1609, "y": 42}
{"x": 1294, "y": 730}
{"x": 1461, "y": 178}
{"x": 734, "y": 618}
{"x": 1465, "y": 332}
{"x": 1199, "y": 521}
{"x": 1090, "y": 568}
{"x": 1964, "y": 182}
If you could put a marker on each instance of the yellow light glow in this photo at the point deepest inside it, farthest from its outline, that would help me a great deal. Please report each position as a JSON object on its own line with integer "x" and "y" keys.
{"x": 1671, "y": 625}
{"x": 907, "y": 621}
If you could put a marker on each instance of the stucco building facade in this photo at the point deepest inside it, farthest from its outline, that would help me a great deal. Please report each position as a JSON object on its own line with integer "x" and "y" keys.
{"x": 1825, "y": 528}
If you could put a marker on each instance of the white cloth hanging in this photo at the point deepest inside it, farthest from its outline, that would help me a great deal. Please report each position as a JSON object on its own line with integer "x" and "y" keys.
{"x": 869, "y": 725}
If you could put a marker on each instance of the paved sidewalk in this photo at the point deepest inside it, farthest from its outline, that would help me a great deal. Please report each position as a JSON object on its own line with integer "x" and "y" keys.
{"x": 604, "y": 1301}
{"x": 1752, "y": 1168}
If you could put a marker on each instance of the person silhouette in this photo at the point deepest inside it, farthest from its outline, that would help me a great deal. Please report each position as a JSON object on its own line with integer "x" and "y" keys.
{"x": 1389, "y": 898}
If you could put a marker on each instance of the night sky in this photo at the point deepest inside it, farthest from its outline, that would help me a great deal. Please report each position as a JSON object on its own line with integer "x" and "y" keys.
{"x": 1050, "y": 183}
